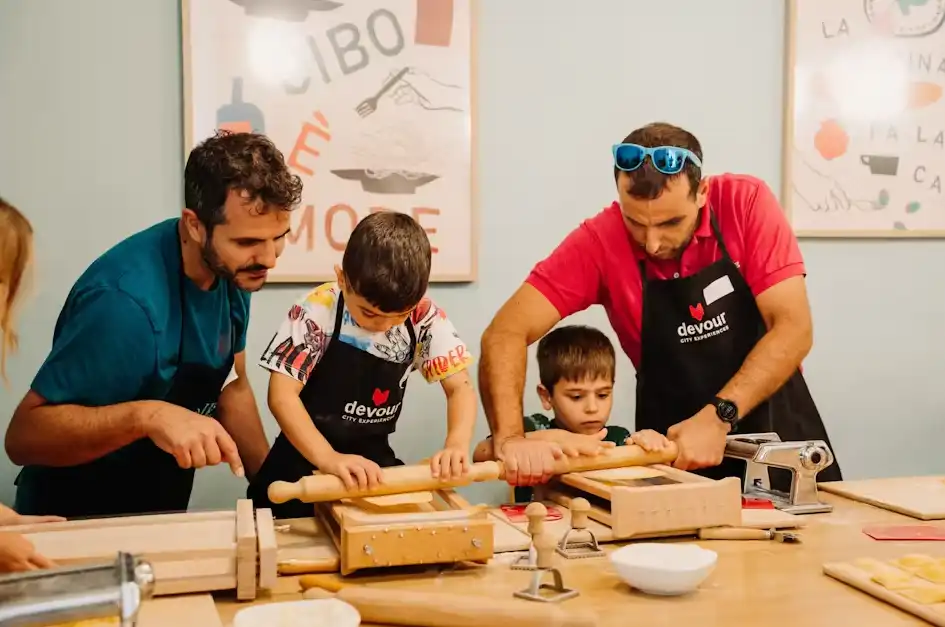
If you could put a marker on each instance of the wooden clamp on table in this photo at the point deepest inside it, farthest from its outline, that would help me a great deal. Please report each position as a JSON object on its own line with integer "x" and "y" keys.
{"x": 412, "y": 517}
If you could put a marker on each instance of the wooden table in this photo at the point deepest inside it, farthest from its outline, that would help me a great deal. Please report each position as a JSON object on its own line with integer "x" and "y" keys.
{"x": 755, "y": 582}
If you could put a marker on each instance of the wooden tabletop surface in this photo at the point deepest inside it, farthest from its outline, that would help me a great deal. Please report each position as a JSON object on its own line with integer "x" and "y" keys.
{"x": 754, "y": 583}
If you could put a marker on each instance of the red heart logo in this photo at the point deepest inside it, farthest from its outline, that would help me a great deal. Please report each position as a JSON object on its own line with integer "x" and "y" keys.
{"x": 379, "y": 397}
{"x": 697, "y": 312}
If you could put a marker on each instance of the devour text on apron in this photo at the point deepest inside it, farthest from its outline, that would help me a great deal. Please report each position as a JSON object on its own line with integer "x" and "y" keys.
{"x": 695, "y": 335}
{"x": 354, "y": 398}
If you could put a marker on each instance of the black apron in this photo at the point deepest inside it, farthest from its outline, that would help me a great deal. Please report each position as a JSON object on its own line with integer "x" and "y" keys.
{"x": 354, "y": 399}
{"x": 139, "y": 478}
{"x": 690, "y": 350}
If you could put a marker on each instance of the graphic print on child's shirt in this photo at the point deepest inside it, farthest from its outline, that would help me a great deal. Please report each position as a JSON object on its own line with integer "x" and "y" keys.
{"x": 303, "y": 337}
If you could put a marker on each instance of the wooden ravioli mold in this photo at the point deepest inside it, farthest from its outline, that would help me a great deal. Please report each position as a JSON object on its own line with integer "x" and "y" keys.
{"x": 407, "y": 529}
{"x": 914, "y": 583}
{"x": 651, "y": 501}
{"x": 189, "y": 552}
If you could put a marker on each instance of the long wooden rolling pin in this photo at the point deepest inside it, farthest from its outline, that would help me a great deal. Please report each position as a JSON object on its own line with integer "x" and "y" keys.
{"x": 417, "y": 478}
{"x": 444, "y": 609}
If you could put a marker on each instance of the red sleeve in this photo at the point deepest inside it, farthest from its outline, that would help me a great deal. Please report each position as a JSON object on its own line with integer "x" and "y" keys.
{"x": 570, "y": 276}
{"x": 773, "y": 254}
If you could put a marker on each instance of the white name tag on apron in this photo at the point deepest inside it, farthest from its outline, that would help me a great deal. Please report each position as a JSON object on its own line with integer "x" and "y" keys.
{"x": 717, "y": 289}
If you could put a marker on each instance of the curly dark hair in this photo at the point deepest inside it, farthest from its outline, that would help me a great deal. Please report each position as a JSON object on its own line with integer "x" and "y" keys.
{"x": 387, "y": 261}
{"x": 646, "y": 182}
{"x": 248, "y": 162}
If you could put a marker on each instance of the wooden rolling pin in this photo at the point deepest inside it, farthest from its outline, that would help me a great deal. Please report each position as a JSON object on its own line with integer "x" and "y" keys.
{"x": 443, "y": 609}
{"x": 417, "y": 478}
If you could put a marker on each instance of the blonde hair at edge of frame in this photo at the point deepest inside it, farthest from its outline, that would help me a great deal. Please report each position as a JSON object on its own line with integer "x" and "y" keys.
{"x": 16, "y": 252}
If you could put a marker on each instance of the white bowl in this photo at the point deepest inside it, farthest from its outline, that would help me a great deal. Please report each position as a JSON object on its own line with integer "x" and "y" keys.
{"x": 664, "y": 569}
{"x": 310, "y": 613}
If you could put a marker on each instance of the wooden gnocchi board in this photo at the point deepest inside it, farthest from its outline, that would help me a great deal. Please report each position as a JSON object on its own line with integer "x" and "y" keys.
{"x": 918, "y": 497}
{"x": 189, "y": 552}
{"x": 913, "y": 583}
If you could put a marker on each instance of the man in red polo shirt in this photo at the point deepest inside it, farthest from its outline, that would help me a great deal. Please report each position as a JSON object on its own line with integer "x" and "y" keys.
{"x": 702, "y": 280}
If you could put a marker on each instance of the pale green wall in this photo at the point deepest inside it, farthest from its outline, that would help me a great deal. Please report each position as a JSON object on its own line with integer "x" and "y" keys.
{"x": 90, "y": 148}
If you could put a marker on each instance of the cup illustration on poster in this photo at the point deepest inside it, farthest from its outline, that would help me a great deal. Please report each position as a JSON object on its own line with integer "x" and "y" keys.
{"x": 906, "y": 18}
{"x": 288, "y": 10}
{"x": 239, "y": 116}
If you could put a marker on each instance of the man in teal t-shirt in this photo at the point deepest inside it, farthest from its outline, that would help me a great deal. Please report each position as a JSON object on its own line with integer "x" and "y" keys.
{"x": 131, "y": 399}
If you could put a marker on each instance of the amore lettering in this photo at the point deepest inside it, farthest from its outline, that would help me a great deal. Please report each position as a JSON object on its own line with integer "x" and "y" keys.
{"x": 349, "y": 47}
{"x": 339, "y": 220}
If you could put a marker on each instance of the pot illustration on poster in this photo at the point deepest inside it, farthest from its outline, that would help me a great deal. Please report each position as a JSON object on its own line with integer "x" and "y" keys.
{"x": 906, "y": 18}
{"x": 288, "y": 10}
{"x": 238, "y": 116}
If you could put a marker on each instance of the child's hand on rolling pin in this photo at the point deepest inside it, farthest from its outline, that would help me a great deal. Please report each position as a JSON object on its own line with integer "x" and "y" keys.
{"x": 649, "y": 440}
{"x": 452, "y": 461}
{"x": 18, "y": 554}
{"x": 353, "y": 470}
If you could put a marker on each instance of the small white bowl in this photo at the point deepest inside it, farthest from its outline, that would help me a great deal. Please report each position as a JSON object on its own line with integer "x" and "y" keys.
{"x": 309, "y": 613}
{"x": 664, "y": 569}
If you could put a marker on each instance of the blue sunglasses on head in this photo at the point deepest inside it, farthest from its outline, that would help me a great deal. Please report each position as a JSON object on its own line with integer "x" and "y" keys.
{"x": 666, "y": 159}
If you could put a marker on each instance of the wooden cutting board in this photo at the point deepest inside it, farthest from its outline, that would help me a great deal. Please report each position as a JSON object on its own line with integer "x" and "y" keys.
{"x": 196, "y": 610}
{"x": 855, "y": 575}
{"x": 918, "y": 497}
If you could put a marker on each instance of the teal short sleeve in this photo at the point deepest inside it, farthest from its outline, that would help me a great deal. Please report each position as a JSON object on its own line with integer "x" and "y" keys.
{"x": 103, "y": 351}
{"x": 240, "y": 303}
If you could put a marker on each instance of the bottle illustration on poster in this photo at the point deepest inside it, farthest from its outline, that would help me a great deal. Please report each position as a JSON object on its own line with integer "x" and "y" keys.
{"x": 239, "y": 116}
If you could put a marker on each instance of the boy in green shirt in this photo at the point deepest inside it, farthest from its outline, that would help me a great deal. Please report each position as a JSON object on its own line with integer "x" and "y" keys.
{"x": 576, "y": 366}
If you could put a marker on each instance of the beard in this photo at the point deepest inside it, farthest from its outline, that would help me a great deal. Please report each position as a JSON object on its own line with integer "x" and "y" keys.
{"x": 216, "y": 265}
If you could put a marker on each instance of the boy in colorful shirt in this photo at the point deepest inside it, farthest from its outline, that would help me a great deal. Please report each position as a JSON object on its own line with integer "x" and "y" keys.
{"x": 340, "y": 363}
{"x": 576, "y": 366}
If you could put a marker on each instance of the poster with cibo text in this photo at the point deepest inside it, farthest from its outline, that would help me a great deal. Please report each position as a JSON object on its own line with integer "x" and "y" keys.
{"x": 370, "y": 101}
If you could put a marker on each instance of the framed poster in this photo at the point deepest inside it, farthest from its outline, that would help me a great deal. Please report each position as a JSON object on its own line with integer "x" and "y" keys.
{"x": 370, "y": 101}
{"x": 864, "y": 145}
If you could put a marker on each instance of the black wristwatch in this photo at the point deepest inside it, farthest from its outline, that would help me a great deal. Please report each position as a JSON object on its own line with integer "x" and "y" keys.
{"x": 727, "y": 411}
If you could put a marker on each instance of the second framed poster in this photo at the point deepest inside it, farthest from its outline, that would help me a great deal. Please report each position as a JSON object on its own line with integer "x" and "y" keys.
{"x": 864, "y": 149}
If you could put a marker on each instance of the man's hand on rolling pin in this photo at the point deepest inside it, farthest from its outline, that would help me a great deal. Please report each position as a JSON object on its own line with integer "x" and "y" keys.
{"x": 195, "y": 441}
{"x": 700, "y": 440}
{"x": 17, "y": 554}
{"x": 528, "y": 461}
{"x": 9, "y": 517}
{"x": 353, "y": 470}
{"x": 452, "y": 461}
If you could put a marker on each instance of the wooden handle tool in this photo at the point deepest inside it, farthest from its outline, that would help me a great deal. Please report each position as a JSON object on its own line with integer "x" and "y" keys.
{"x": 746, "y": 533}
{"x": 390, "y": 606}
{"x": 416, "y": 478}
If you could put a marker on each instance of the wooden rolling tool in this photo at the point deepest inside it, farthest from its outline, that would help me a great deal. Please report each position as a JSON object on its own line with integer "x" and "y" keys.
{"x": 417, "y": 478}
{"x": 744, "y": 533}
{"x": 390, "y": 606}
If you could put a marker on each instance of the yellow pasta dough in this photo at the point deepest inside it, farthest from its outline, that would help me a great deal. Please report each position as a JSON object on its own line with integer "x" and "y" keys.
{"x": 926, "y": 595}
{"x": 934, "y": 572}
{"x": 893, "y": 580}
{"x": 914, "y": 562}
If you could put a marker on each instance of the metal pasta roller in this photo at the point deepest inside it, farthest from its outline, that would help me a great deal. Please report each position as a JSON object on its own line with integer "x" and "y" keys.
{"x": 63, "y": 595}
{"x": 803, "y": 459}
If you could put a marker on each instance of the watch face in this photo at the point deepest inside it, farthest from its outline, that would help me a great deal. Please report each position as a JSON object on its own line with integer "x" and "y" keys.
{"x": 906, "y": 18}
{"x": 727, "y": 410}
